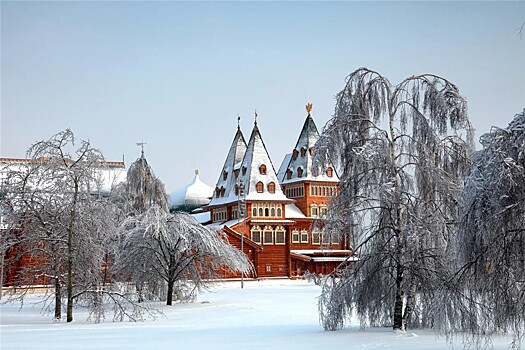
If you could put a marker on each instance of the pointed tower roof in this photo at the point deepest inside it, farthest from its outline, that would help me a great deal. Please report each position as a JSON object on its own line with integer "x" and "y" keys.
{"x": 226, "y": 183}
{"x": 257, "y": 172}
{"x": 299, "y": 162}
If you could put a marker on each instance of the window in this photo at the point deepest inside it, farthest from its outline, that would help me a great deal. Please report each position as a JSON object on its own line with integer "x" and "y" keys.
{"x": 316, "y": 238}
{"x": 280, "y": 236}
{"x": 261, "y": 212}
{"x": 279, "y": 212}
{"x": 295, "y": 154}
{"x": 262, "y": 169}
{"x": 311, "y": 150}
{"x": 224, "y": 175}
{"x": 236, "y": 190}
{"x": 220, "y": 214}
{"x": 266, "y": 212}
{"x": 271, "y": 187}
{"x": 295, "y": 236}
{"x": 268, "y": 236}
{"x": 314, "y": 210}
{"x": 222, "y": 191}
{"x": 268, "y": 268}
{"x": 272, "y": 212}
{"x": 303, "y": 151}
{"x": 243, "y": 170}
{"x": 254, "y": 211}
{"x": 322, "y": 211}
{"x": 300, "y": 172}
{"x": 259, "y": 187}
{"x": 217, "y": 191}
{"x": 236, "y": 173}
{"x": 304, "y": 236}
{"x": 256, "y": 234}
{"x": 295, "y": 191}
{"x": 329, "y": 172}
{"x": 289, "y": 174}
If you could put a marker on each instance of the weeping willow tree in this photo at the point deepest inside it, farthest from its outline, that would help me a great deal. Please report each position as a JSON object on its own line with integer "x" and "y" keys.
{"x": 402, "y": 152}
{"x": 167, "y": 256}
{"x": 488, "y": 290}
{"x": 143, "y": 189}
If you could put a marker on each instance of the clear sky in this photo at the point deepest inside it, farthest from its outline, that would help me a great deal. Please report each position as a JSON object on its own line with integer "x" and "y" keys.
{"x": 176, "y": 74}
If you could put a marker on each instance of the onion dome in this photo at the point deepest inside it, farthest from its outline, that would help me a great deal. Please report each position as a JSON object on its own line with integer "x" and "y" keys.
{"x": 192, "y": 196}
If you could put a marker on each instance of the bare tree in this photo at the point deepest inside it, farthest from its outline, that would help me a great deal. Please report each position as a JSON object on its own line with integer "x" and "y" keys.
{"x": 59, "y": 223}
{"x": 402, "y": 152}
{"x": 487, "y": 293}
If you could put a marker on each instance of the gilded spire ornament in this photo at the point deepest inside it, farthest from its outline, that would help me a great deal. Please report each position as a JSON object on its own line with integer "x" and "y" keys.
{"x": 309, "y": 107}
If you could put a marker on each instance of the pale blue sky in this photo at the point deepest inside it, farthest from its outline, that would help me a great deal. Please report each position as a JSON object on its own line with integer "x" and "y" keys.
{"x": 176, "y": 74}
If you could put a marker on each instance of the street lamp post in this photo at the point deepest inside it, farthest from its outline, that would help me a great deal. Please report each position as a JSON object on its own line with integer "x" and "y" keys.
{"x": 241, "y": 208}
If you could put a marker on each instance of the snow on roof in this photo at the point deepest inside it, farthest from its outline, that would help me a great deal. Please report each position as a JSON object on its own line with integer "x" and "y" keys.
{"x": 302, "y": 157}
{"x": 256, "y": 156}
{"x": 232, "y": 162}
{"x": 202, "y": 217}
{"x": 249, "y": 174}
{"x": 196, "y": 193}
{"x": 293, "y": 212}
{"x": 106, "y": 175}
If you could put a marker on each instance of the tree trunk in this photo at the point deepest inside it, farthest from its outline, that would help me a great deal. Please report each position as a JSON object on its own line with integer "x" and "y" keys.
{"x": 169, "y": 299}
{"x": 398, "y": 306}
{"x": 409, "y": 308}
{"x": 58, "y": 299}
{"x": 70, "y": 256}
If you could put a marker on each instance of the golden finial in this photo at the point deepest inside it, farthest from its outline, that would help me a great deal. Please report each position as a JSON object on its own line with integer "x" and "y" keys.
{"x": 309, "y": 107}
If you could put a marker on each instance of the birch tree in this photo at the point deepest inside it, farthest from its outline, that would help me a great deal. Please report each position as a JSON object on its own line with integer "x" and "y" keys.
{"x": 488, "y": 290}
{"x": 58, "y": 221}
{"x": 165, "y": 254}
{"x": 402, "y": 152}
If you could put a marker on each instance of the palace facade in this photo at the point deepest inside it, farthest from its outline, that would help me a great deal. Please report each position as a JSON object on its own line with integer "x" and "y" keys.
{"x": 271, "y": 213}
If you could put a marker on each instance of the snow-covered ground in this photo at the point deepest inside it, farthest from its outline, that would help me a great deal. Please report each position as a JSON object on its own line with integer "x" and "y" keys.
{"x": 271, "y": 314}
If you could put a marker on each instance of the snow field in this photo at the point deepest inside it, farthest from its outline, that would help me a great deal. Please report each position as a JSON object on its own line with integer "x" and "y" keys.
{"x": 270, "y": 314}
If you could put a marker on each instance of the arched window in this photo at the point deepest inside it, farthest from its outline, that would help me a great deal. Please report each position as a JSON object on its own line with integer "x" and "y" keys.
{"x": 261, "y": 212}
{"x": 266, "y": 212}
{"x": 295, "y": 154}
{"x": 222, "y": 191}
{"x": 254, "y": 211}
{"x": 329, "y": 172}
{"x": 243, "y": 170}
{"x": 311, "y": 150}
{"x": 259, "y": 187}
{"x": 271, "y": 187}
{"x": 236, "y": 190}
{"x": 288, "y": 174}
{"x": 224, "y": 175}
{"x": 217, "y": 191}
{"x": 303, "y": 151}
{"x": 279, "y": 212}
{"x": 300, "y": 172}
{"x": 262, "y": 169}
{"x": 272, "y": 212}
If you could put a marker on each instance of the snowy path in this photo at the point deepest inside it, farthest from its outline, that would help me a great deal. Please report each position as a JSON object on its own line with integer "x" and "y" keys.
{"x": 277, "y": 314}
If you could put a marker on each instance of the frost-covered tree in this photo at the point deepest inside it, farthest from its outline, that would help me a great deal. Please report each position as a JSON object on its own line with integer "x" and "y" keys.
{"x": 488, "y": 290}
{"x": 56, "y": 218}
{"x": 168, "y": 254}
{"x": 402, "y": 152}
{"x": 171, "y": 254}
